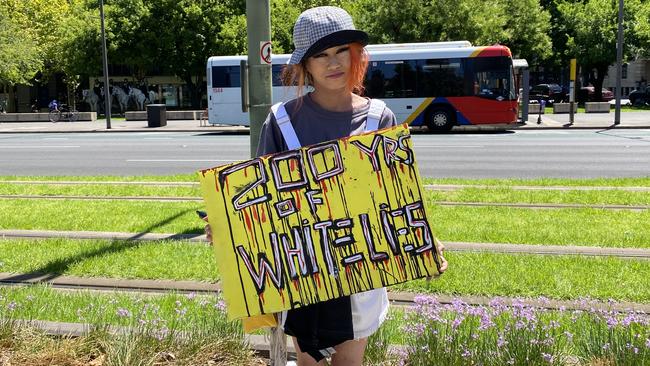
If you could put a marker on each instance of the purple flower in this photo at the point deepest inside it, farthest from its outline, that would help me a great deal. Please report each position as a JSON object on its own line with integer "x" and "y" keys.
{"x": 466, "y": 353}
{"x": 501, "y": 342}
{"x": 548, "y": 357}
{"x": 606, "y": 346}
{"x": 568, "y": 335}
{"x": 220, "y": 305}
{"x": 611, "y": 322}
{"x": 123, "y": 313}
{"x": 12, "y": 306}
{"x": 457, "y": 322}
{"x": 191, "y": 295}
{"x": 647, "y": 343}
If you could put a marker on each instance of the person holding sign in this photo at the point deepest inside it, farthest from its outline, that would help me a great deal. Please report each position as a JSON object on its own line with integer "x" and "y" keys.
{"x": 329, "y": 58}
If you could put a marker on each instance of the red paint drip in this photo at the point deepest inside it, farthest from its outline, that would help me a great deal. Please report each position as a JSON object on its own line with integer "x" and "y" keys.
{"x": 263, "y": 215}
{"x": 317, "y": 278}
{"x": 217, "y": 186}
{"x": 292, "y": 165}
{"x": 379, "y": 180}
{"x": 345, "y": 144}
{"x": 246, "y": 172}
{"x": 255, "y": 217}
{"x": 360, "y": 155}
{"x": 282, "y": 296}
{"x": 323, "y": 186}
{"x": 262, "y": 298}
{"x": 298, "y": 200}
{"x": 248, "y": 220}
{"x": 401, "y": 166}
{"x": 296, "y": 284}
{"x": 419, "y": 234}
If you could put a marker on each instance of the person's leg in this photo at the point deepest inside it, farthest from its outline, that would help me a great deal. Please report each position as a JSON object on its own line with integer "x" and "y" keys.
{"x": 304, "y": 359}
{"x": 350, "y": 353}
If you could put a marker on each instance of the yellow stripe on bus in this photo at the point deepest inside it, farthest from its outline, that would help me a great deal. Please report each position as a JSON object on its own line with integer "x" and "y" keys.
{"x": 418, "y": 110}
{"x": 479, "y": 50}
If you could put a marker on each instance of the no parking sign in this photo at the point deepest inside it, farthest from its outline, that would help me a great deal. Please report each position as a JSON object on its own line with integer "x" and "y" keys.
{"x": 265, "y": 52}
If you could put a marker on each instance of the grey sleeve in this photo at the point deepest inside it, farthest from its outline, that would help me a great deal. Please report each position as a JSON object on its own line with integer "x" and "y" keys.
{"x": 387, "y": 119}
{"x": 271, "y": 140}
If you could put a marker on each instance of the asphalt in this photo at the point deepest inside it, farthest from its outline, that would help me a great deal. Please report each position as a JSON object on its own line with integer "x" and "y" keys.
{"x": 637, "y": 119}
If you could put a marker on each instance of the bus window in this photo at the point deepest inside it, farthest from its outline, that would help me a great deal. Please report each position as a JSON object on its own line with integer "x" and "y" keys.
{"x": 493, "y": 78}
{"x": 391, "y": 79}
{"x": 225, "y": 77}
{"x": 443, "y": 77}
{"x": 276, "y": 71}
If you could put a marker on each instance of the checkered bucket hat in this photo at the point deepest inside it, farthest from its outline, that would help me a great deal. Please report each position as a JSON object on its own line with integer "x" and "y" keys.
{"x": 323, "y": 27}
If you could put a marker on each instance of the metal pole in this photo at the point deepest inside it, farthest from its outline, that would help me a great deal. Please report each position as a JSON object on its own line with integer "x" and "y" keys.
{"x": 258, "y": 25}
{"x": 107, "y": 97}
{"x": 619, "y": 63}
{"x": 526, "y": 95}
{"x": 572, "y": 90}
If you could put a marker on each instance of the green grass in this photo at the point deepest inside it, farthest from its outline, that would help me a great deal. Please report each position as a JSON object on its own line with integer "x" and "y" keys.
{"x": 559, "y": 277}
{"x": 105, "y": 178}
{"x": 500, "y": 195}
{"x": 595, "y": 227}
{"x": 124, "y": 216}
{"x": 98, "y": 190}
{"x": 35, "y": 302}
{"x": 562, "y": 277}
{"x": 115, "y": 259}
{"x": 587, "y": 227}
{"x": 509, "y": 195}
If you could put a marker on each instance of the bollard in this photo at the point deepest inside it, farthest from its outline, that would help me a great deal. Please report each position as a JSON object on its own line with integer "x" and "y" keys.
{"x": 542, "y": 105}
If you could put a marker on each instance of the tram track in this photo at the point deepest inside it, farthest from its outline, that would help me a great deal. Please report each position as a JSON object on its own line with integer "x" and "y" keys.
{"x": 141, "y": 287}
{"x": 506, "y": 248}
{"x": 433, "y": 187}
{"x": 440, "y": 203}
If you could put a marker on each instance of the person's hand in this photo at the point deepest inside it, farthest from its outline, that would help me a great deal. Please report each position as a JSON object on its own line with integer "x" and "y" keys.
{"x": 208, "y": 230}
{"x": 443, "y": 262}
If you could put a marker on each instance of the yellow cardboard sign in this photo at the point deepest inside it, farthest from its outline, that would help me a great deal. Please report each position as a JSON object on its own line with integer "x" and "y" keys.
{"x": 317, "y": 223}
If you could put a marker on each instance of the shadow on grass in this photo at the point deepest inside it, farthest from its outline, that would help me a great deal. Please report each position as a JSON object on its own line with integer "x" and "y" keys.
{"x": 58, "y": 267}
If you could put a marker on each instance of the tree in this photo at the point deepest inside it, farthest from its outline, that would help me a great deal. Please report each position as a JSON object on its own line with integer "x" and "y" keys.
{"x": 520, "y": 24}
{"x": 590, "y": 28}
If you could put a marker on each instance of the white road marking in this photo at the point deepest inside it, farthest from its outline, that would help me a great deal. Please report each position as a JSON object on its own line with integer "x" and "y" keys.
{"x": 55, "y": 138}
{"x": 449, "y": 146}
{"x": 179, "y": 160}
{"x": 40, "y": 147}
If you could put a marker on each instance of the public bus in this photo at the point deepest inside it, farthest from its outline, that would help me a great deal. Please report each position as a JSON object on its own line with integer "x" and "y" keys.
{"x": 437, "y": 85}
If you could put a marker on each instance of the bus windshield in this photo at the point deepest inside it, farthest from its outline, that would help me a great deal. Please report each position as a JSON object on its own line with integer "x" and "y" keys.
{"x": 492, "y": 77}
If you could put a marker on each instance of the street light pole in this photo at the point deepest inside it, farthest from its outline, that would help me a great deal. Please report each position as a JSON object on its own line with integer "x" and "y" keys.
{"x": 619, "y": 63}
{"x": 107, "y": 97}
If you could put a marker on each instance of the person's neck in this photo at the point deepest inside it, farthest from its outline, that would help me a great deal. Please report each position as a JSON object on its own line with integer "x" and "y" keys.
{"x": 333, "y": 101}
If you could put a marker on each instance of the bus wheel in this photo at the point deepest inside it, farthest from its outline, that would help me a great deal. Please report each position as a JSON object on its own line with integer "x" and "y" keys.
{"x": 440, "y": 120}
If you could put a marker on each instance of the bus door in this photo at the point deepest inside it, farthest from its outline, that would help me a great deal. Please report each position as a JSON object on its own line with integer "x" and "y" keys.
{"x": 224, "y": 101}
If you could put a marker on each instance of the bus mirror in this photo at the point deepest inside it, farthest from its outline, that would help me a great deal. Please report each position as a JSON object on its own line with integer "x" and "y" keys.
{"x": 243, "y": 81}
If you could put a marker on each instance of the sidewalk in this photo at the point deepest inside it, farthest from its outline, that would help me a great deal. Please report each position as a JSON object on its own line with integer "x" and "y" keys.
{"x": 549, "y": 121}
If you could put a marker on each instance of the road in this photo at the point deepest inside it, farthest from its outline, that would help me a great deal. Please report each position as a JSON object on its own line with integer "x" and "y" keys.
{"x": 520, "y": 154}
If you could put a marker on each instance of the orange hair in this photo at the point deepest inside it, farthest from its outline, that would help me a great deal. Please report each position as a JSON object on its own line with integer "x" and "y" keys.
{"x": 297, "y": 75}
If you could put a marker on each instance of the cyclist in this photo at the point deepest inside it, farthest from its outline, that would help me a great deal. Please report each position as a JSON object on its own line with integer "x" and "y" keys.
{"x": 54, "y": 105}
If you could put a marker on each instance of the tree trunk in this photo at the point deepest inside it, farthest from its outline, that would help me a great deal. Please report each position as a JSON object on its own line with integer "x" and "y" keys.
{"x": 195, "y": 92}
{"x": 598, "y": 82}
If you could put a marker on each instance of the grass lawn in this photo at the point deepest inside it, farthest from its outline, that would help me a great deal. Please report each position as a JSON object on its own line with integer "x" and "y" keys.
{"x": 562, "y": 277}
{"x": 595, "y": 227}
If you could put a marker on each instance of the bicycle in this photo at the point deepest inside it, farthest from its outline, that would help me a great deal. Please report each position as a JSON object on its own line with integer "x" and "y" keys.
{"x": 63, "y": 113}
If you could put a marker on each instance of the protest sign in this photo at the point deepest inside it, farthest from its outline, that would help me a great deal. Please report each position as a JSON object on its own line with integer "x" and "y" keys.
{"x": 317, "y": 223}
